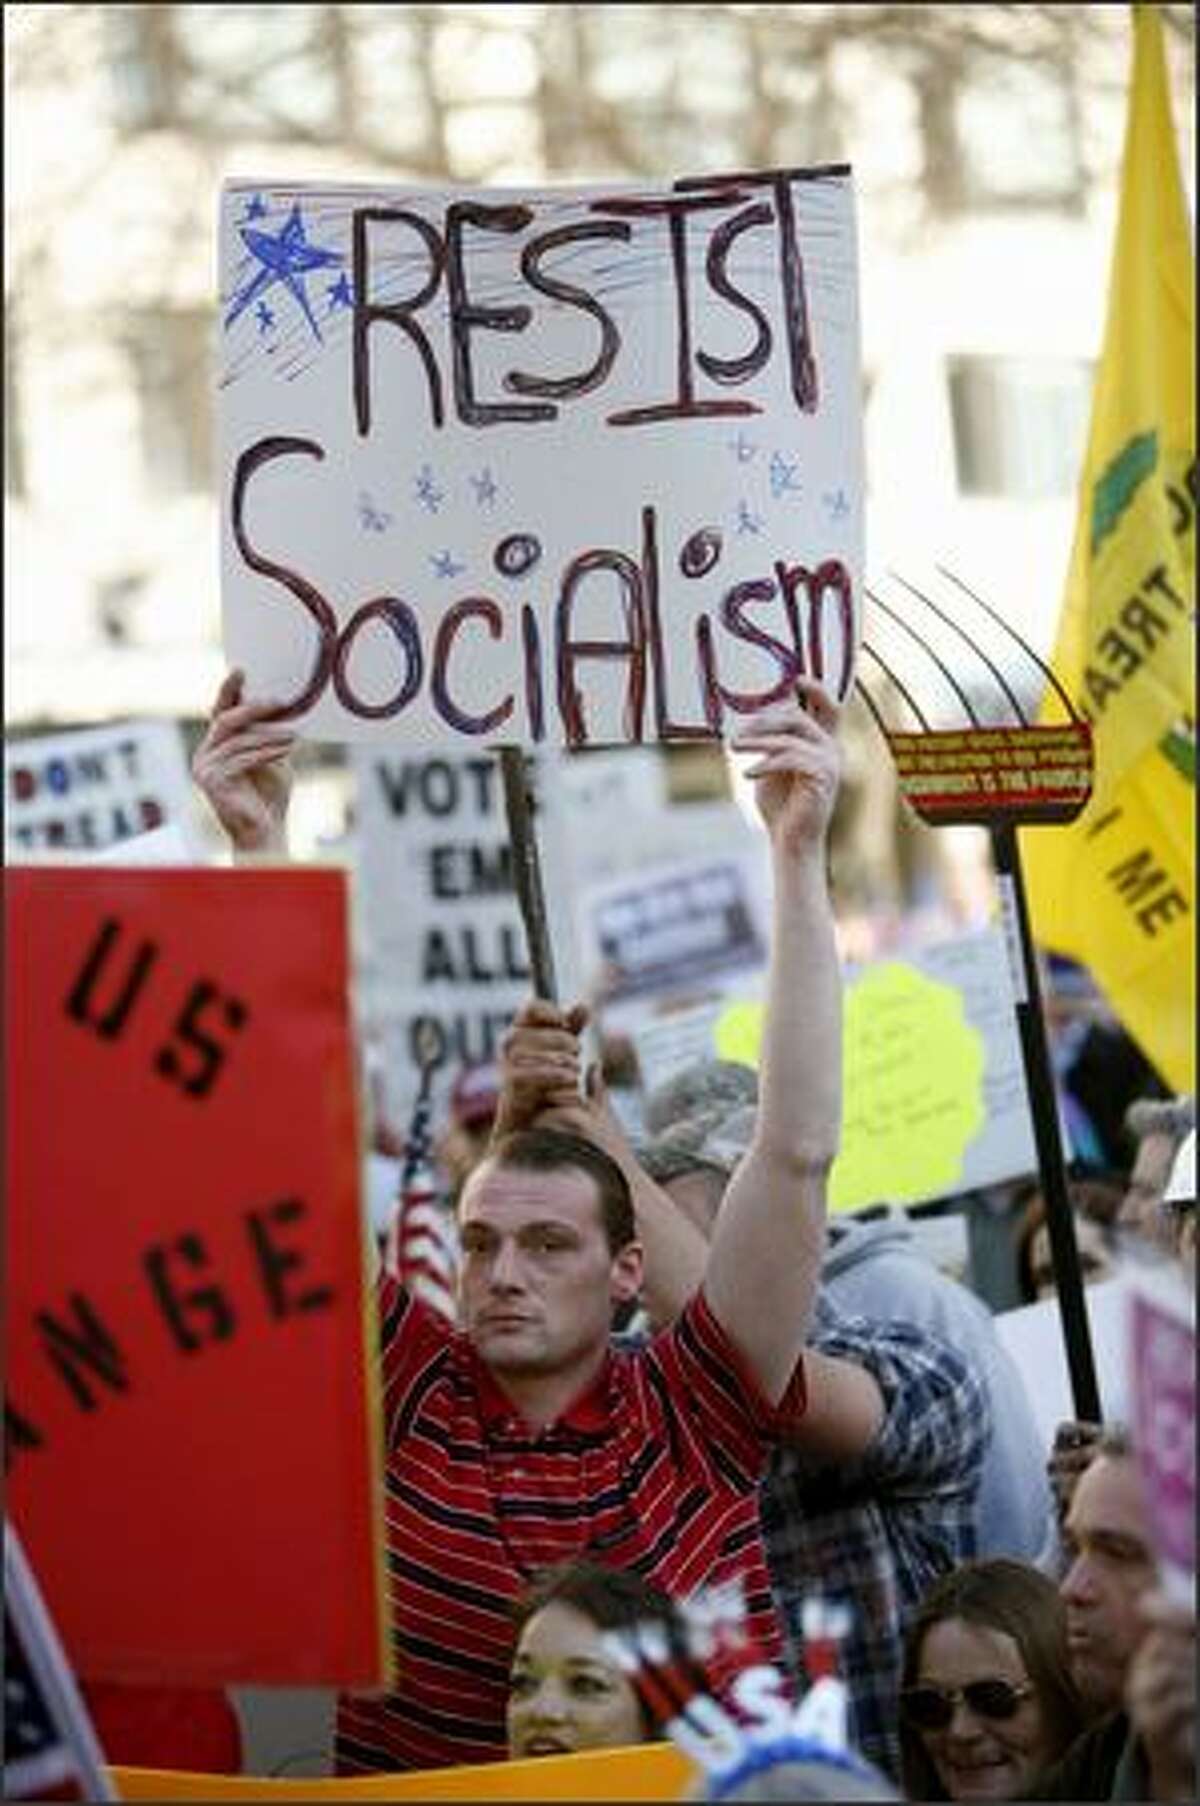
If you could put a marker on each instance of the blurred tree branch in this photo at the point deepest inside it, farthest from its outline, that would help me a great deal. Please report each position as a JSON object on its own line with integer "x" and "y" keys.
{"x": 610, "y": 97}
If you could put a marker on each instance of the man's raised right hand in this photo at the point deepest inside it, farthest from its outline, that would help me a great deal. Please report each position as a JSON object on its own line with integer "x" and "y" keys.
{"x": 539, "y": 1064}
{"x": 243, "y": 766}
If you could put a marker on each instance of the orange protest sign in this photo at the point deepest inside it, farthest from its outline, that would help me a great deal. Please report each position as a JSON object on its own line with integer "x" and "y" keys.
{"x": 193, "y": 1437}
{"x": 653, "y": 1771}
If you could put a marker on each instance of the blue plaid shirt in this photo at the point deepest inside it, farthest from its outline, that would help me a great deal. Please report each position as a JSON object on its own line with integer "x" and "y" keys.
{"x": 876, "y": 1532}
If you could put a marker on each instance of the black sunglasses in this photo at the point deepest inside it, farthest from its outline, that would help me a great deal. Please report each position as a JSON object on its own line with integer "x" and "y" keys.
{"x": 932, "y": 1708}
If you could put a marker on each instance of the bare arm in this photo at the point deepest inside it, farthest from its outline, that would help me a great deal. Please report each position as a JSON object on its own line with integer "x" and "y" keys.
{"x": 844, "y": 1409}
{"x": 770, "y": 1233}
{"x": 243, "y": 767}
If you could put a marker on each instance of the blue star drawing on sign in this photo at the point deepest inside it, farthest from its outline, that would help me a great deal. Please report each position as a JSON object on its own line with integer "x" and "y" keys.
{"x": 426, "y": 490}
{"x": 747, "y": 521}
{"x": 371, "y": 516}
{"x": 444, "y": 565}
{"x": 340, "y": 293}
{"x": 836, "y": 503}
{"x": 485, "y": 489}
{"x": 256, "y": 208}
{"x": 285, "y": 257}
{"x": 742, "y": 449}
{"x": 264, "y": 316}
{"x": 783, "y": 476}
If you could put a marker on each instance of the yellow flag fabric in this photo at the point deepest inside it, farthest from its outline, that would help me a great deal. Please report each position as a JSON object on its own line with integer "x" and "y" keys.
{"x": 1116, "y": 889}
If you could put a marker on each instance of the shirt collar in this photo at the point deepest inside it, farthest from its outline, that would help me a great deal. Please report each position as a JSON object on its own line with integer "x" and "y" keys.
{"x": 587, "y": 1413}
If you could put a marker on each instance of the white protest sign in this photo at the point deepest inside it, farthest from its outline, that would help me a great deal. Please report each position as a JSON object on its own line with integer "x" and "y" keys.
{"x": 167, "y": 845}
{"x": 573, "y": 465}
{"x": 603, "y": 788}
{"x": 445, "y": 942}
{"x": 85, "y": 791}
{"x": 935, "y": 1100}
{"x": 1033, "y": 1336}
{"x": 1161, "y": 1331}
{"x": 668, "y": 1039}
{"x": 977, "y": 966}
{"x": 674, "y": 929}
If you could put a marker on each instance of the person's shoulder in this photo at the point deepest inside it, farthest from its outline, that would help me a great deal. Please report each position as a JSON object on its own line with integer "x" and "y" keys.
{"x": 412, "y": 1329}
{"x": 1088, "y": 1769}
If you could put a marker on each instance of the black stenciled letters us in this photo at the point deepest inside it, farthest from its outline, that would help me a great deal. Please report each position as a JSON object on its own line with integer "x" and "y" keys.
{"x": 113, "y": 979}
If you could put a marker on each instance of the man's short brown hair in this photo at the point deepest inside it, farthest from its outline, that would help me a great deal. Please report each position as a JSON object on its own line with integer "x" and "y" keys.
{"x": 556, "y": 1151}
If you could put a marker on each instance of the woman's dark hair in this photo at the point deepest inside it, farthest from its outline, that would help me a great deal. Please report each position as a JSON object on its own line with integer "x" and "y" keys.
{"x": 1097, "y": 1199}
{"x": 554, "y": 1151}
{"x": 1024, "y": 1604}
{"x": 612, "y": 1598}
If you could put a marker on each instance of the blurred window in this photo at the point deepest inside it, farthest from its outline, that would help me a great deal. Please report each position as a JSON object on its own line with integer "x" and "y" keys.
{"x": 1000, "y": 132}
{"x": 1020, "y": 424}
{"x": 170, "y": 354}
{"x": 1017, "y": 130}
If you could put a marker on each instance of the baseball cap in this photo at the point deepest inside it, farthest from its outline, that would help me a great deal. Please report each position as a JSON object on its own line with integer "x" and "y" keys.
{"x": 703, "y": 1116}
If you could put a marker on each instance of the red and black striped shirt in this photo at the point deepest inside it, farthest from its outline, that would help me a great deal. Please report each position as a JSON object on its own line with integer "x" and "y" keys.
{"x": 655, "y": 1467}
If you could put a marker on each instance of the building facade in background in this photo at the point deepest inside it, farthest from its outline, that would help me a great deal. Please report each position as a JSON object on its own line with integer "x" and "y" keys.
{"x": 985, "y": 141}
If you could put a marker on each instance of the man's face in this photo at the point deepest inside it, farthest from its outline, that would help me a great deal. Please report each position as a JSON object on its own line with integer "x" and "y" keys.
{"x": 1111, "y": 1566}
{"x": 538, "y": 1281}
{"x": 1095, "y": 1258}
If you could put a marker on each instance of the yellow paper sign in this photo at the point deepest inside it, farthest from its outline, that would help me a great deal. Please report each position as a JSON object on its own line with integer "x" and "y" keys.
{"x": 912, "y": 1080}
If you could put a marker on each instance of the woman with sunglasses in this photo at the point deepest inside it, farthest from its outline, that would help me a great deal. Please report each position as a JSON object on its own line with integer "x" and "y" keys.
{"x": 987, "y": 1699}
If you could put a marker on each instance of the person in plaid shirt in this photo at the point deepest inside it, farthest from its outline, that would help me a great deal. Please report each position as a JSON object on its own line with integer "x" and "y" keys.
{"x": 876, "y": 1529}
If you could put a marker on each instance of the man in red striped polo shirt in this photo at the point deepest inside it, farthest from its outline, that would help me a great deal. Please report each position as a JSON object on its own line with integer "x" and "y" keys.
{"x": 523, "y": 1438}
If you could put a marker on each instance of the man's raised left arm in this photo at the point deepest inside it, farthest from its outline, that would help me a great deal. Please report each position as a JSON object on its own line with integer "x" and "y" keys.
{"x": 764, "y": 1264}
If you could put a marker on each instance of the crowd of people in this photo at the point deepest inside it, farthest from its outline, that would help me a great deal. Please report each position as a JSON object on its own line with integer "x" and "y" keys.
{"x": 670, "y": 1376}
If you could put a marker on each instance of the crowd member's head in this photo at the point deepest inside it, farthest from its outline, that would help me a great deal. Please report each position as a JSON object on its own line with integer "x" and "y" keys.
{"x": 461, "y": 1145}
{"x": 987, "y": 1695}
{"x": 1179, "y": 1202}
{"x": 785, "y": 1779}
{"x": 565, "y": 1690}
{"x": 547, "y": 1234}
{"x": 698, "y": 1124}
{"x": 1095, "y": 1204}
{"x": 1159, "y": 1126}
{"x": 1110, "y": 1566}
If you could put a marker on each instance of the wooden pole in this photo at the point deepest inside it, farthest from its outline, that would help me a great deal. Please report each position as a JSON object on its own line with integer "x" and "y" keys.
{"x": 527, "y": 871}
{"x": 1043, "y": 1105}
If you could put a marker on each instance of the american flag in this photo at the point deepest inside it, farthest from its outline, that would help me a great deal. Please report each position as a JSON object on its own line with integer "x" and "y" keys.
{"x": 423, "y": 1248}
{"x": 50, "y": 1749}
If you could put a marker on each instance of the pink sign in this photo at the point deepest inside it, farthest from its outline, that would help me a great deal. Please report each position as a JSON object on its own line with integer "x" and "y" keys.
{"x": 1162, "y": 1343}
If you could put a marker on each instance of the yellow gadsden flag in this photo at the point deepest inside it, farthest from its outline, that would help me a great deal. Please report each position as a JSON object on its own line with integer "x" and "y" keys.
{"x": 1116, "y": 889}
